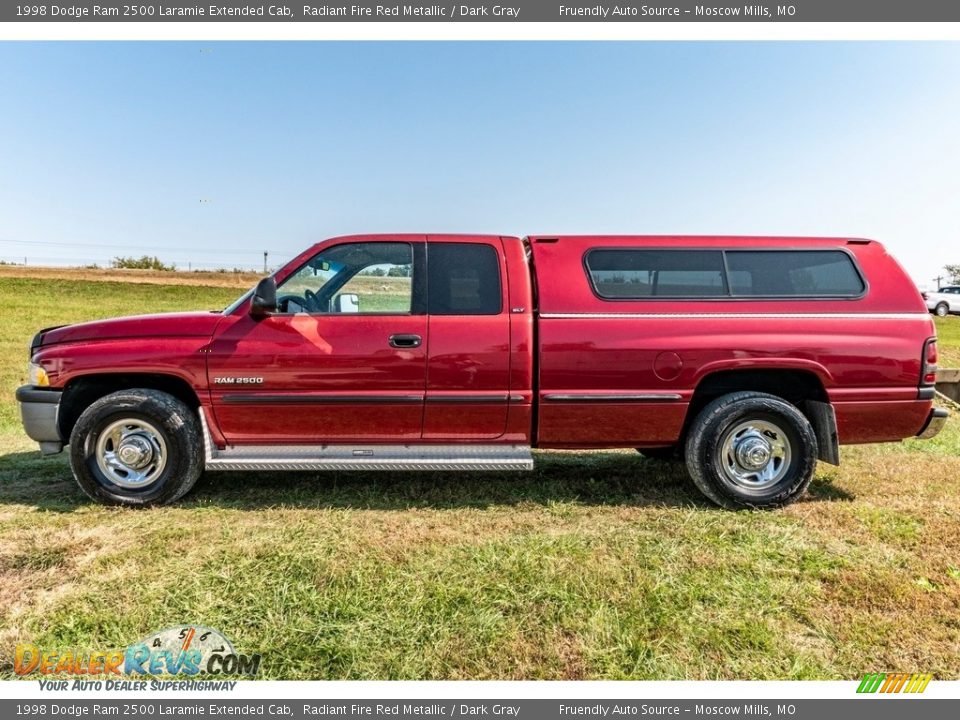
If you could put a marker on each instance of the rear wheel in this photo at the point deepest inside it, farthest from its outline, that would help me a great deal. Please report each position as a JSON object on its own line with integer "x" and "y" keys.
{"x": 751, "y": 450}
{"x": 136, "y": 447}
{"x": 942, "y": 309}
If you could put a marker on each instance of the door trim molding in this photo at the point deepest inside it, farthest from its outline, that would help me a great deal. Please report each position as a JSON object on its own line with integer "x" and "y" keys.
{"x": 501, "y": 398}
{"x": 297, "y": 399}
{"x": 611, "y": 397}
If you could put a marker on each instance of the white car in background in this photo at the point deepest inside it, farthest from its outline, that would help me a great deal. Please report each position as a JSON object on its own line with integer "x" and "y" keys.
{"x": 944, "y": 301}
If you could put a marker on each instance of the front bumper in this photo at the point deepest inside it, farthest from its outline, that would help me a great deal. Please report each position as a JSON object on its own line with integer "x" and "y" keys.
{"x": 935, "y": 422}
{"x": 39, "y": 410}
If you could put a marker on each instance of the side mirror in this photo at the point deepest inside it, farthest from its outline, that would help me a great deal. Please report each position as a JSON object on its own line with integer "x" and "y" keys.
{"x": 264, "y": 300}
{"x": 347, "y": 303}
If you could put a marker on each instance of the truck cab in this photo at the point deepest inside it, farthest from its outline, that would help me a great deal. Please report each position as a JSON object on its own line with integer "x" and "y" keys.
{"x": 750, "y": 358}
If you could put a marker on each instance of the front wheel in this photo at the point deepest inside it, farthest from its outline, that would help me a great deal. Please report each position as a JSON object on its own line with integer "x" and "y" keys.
{"x": 942, "y": 309}
{"x": 751, "y": 450}
{"x": 136, "y": 447}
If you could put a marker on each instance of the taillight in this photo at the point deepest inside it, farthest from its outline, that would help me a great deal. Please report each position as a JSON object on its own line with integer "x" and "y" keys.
{"x": 925, "y": 296}
{"x": 928, "y": 371}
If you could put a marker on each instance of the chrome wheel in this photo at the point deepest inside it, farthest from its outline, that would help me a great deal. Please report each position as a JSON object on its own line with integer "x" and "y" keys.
{"x": 131, "y": 453}
{"x": 754, "y": 454}
{"x": 942, "y": 310}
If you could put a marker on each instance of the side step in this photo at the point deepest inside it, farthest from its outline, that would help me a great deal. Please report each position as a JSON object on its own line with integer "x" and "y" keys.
{"x": 364, "y": 457}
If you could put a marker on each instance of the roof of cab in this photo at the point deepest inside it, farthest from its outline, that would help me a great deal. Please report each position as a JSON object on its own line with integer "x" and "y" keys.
{"x": 704, "y": 240}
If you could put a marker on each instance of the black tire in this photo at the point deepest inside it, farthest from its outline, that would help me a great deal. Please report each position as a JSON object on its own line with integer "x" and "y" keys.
{"x": 765, "y": 420}
{"x": 665, "y": 454}
{"x": 942, "y": 310}
{"x": 168, "y": 429}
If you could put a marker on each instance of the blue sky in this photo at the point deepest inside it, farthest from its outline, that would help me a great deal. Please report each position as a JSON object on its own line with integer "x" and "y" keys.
{"x": 211, "y": 153}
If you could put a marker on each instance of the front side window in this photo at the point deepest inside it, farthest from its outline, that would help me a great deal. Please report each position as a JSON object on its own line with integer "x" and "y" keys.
{"x": 371, "y": 278}
{"x": 632, "y": 274}
{"x": 463, "y": 279}
{"x": 793, "y": 273}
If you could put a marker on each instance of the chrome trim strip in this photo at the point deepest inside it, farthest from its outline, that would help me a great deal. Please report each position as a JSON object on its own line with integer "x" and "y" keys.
{"x": 611, "y": 397}
{"x": 740, "y": 315}
{"x": 295, "y": 399}
{"x": 467, "y": 398}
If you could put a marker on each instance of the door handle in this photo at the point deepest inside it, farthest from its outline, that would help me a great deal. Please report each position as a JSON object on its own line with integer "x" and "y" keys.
{"x": 405, "y": 341}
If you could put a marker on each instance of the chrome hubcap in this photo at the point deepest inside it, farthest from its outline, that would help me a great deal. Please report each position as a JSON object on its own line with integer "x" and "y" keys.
{"x": 755, "y": 454}
{"x": 131, "y": 453}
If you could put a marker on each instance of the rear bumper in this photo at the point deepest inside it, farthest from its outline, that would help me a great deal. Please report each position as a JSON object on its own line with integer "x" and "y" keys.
{"x": 935, "y": 422}
{"x": 39, "y": 411}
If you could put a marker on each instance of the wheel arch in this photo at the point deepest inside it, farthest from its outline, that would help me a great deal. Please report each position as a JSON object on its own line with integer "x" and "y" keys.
{"x": 800, "y": 385}
{"x": 84, "y": 390}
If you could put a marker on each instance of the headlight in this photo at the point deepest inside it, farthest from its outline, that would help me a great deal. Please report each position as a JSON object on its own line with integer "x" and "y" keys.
{"x": 37, "y": 376}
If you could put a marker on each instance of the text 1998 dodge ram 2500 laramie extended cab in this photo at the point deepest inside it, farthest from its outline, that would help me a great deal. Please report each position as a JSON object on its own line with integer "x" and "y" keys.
{"x": 751, "y": 357}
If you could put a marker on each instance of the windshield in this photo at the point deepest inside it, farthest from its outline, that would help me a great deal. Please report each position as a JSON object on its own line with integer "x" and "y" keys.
{"x": 238, "y": 302}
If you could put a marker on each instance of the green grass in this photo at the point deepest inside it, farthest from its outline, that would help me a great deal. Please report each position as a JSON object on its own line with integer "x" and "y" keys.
{"x": 948, "y": 336}
{"x": 595, "y": 565}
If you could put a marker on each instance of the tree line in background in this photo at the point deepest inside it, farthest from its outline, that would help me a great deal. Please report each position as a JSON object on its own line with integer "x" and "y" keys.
{"x": 144, "y": 262}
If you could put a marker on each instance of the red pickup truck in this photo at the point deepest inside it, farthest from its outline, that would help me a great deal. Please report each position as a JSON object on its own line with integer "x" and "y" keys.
{"x": 749, "y": 357}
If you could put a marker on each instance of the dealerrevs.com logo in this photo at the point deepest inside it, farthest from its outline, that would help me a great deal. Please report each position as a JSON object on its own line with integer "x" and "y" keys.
{"x": 179, "y": 650}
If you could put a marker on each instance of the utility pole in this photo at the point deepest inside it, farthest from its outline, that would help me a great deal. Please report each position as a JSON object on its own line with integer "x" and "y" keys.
{"x": 939, "y": 278}
{"x": 264, "y": 262}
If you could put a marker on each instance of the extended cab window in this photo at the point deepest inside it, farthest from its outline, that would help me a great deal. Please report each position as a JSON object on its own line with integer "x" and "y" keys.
{"x": 463, "y": 279}
{"x": 632, "y": 274}
{"x": 373, "y": 278}
{"x": 793, "y": 273}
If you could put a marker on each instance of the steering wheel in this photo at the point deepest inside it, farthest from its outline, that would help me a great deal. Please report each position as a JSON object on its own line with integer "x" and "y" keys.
{"x": 312, "y": 301}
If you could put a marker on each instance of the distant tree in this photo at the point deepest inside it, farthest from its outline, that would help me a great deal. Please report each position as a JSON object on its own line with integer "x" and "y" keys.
{"x": 954, "y": 272}
{"x": 399, "y": 271}
{"x": 374, "y": 272}
{"x": 144, "y": 262}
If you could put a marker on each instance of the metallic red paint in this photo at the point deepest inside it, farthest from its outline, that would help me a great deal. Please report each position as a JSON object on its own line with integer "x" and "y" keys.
{"x": 496, "y": 378}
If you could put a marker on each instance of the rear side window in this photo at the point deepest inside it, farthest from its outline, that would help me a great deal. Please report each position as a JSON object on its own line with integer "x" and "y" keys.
{"x": 635, "y": 274}
{"x": 793, "y": 273}
{"x": 463, "y": 279}
{"x": 630, "y": 274}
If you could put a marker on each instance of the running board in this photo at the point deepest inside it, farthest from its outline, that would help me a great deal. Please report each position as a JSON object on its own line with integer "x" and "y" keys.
{"x": 364, "y": 457}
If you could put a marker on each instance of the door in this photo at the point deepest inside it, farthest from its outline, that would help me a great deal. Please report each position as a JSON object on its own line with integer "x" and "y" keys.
{"x": 342, "y": 360}
{"x": 468, "y": 365}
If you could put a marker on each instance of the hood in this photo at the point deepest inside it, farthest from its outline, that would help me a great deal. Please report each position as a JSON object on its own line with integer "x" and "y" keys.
{"x": 189, "y": 324}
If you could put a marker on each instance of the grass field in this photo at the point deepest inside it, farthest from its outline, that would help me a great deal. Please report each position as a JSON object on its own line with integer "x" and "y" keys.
{"x": 948, "y": 334}
{"x": 596, "y": 565}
